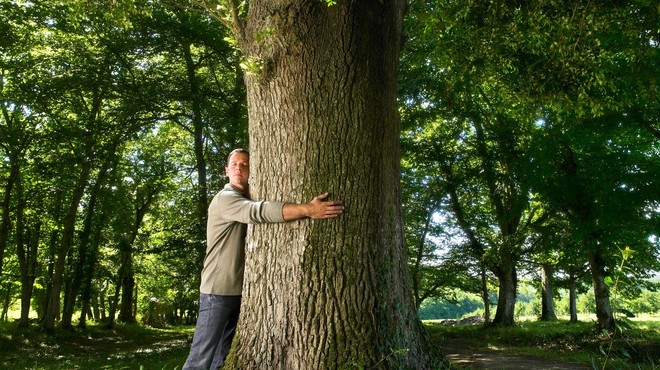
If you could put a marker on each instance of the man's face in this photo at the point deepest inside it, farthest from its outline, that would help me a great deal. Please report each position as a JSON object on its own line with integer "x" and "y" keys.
{"x": 238, "y": 170}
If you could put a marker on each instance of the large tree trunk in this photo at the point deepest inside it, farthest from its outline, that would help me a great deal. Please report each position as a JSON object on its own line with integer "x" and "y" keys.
{"x": 604, "y": 314}
{"x": 547, "y": 300}
{"x": 506, "y": 298}
{"x": 322, "y": 111}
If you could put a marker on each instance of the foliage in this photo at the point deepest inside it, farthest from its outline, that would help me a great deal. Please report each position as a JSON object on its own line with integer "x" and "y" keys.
{"x": 99, "y": 112}
{"x": 533, "y": 128}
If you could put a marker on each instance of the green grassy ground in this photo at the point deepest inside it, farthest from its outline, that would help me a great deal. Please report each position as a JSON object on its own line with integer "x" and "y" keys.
{"x": 137, "y": 347}
{"x": 637, "y": 347}
{"x": 96, "y": 347}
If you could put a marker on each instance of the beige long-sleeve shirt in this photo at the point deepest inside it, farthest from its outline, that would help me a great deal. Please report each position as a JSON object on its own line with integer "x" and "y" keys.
{"x": 229, "y": 213}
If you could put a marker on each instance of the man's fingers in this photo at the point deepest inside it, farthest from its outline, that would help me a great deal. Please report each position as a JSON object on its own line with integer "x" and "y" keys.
{"x": 322, "y": 196}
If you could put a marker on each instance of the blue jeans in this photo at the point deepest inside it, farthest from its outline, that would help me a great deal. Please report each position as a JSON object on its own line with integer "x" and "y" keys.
{"x": 215, "y": 329}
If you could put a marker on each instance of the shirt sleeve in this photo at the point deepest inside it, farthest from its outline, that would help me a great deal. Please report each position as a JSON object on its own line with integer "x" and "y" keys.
{"x": 233, "y": 206}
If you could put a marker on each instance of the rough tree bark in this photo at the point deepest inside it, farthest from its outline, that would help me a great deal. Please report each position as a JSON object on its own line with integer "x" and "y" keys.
{"x": 323, "y": 117}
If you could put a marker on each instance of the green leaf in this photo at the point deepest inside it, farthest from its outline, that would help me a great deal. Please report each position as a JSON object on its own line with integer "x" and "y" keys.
{"x": 609, "y": 281}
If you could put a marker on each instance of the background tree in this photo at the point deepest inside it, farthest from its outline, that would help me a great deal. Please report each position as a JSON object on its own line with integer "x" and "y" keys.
{"x": 529, "y": 67}
{"x": 588, "y": 126}
{"x": 430, "y": 236}
{"x": 82, "y": 87}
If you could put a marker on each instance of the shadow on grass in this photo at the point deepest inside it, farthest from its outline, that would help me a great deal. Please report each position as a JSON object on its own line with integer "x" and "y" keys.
{"x": 94, "y": 347}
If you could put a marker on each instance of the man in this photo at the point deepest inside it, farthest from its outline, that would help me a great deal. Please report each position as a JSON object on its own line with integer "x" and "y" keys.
{"x": 222, "y": 276}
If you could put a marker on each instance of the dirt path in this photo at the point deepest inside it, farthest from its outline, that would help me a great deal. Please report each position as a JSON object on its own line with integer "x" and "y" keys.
{"x": 467, "y": 357}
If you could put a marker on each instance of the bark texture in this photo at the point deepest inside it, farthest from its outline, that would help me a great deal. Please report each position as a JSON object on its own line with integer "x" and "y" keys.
{"x": 322, "y": 111}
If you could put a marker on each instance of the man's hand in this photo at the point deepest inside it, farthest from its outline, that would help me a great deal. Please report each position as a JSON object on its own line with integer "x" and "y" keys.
{"x": 317, "y": 209}
{"x": 320, "y": 209}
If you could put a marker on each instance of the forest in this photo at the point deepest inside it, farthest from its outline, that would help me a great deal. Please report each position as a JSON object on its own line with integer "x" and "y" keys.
{"x": 527, "y": 132}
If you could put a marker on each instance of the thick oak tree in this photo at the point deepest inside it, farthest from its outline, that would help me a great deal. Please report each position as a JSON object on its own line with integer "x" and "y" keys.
{"x": 321, "y": 88}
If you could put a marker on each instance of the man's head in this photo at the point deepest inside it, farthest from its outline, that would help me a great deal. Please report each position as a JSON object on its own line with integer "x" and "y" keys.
{"x": 238, "y": 169}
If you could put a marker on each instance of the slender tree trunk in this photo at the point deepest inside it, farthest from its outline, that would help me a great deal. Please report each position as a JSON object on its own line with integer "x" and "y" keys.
{"x": 52, "y": 311}
{"x": 70, "y": 291}
{"x": 84, "y": 248}
{"x": 572, "y": 297}
{"x": 484, "y": 294}
{"x": 28, "y": 273}
{"x": 127, "y": 280}
{"x": 102, "y": 305}
{"x": 127, "y": 273}
{"x": 582, "y": 205}
{"x": 5, "y": 207}
{"x": 89, "y": 268}
{"x": 547, "y": 299}
{"x": 53, "y": 240}
{"x": 200, "y": 159}
{"x": 6, "y": 301}
{"x": 113, "y": 301}
{"x": 604, "y": 314}
{"x": 27, "y": 244}
{"x": 96, "y": 307}
{"x": 416, "y": 271}
{"x": 135, "y": 300}
{"x": 322, "y": 109}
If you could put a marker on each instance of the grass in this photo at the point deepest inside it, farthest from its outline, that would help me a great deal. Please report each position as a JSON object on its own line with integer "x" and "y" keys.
{"x": 138, "y": 347}
{"x": 638, "y": 347}
{"x": 95, "y": 347}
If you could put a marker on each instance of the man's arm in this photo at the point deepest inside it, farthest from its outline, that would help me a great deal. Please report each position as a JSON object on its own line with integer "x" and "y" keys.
{"x": 316, "y": 209}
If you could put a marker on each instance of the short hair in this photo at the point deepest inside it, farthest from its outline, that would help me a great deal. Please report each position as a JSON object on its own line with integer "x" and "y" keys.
{"x": 237, "y": 150}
